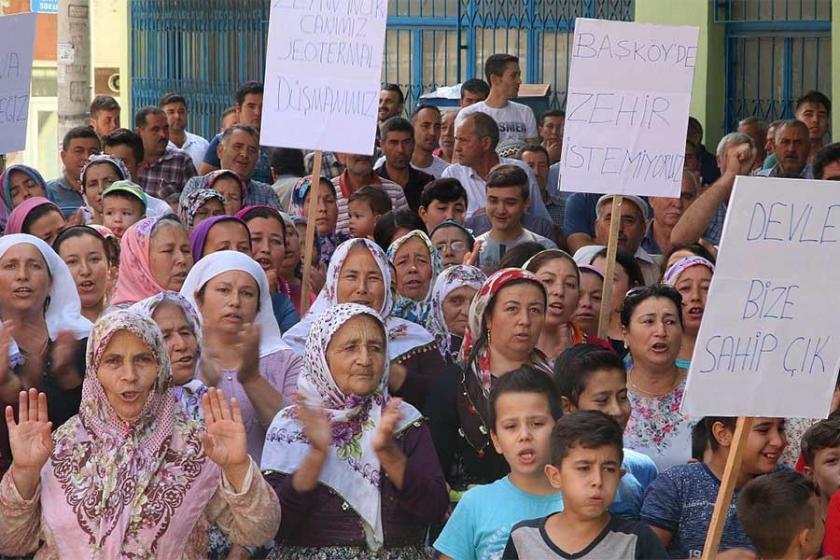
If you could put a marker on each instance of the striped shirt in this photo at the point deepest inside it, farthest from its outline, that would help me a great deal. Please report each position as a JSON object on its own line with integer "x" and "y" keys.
{"x": 342, "y": 194}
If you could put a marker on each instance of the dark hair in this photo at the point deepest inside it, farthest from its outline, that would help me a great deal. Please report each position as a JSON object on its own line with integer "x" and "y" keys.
{"x": 509, "y": 175}
{"x": 728, "y": 422}
{"x": 445, "y": 189}
{"x": 485, "y": 127}
{"x": 396, "y": 89}
{"x": 265, "y": 212}
{"x": 589, "y": 429}
{"x": 695, "y": 124}
{"x": 535, "y": 148}
{"x": 773, "y": 509}
{"x": 553, "y": 113}
{"x": 287, "y": 161}
{"x": 390, "y": 222}
{"x": 170, "y": 98}
{"x": 125, "y": 196}
{"x": 477, "y": 86}
{"x": 462, "y": 229}
{"x": 518, "y": 255}
{"x": 422, "y": 107}
{"x": 125, "y": 137}
{"x": 813, "y": 96}
{"x": 111, "y": 249}
{"x": 103, "y": 103}
{"x": 79, "y": 132}
{"x": 694, "y": 147}
{"x": 36, "y": 214}
{"x": 827, "y": 154}
{"x": 396, "y": 124}
{"x": 142, "y": 115}
{"x": 822, "y": 435}
{"x": 699, "y": 441}
{"x": 693, "y": 248}
{"x": 230, "y": 110}
{"x": 496, "y": 63}
{"x": 637, "y": 295}
{"x": 524, "y": 379}
{"x": 548, "y": 255}
{"x": 574, "y": 367}
{"x": 376, "y": 198}
{"x": 248, "y": 88}
{"x": 628, "y": 263}
{"x": 246, "y": 128}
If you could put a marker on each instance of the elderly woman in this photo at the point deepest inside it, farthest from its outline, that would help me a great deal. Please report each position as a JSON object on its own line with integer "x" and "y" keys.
{"x": 691, "y": 277}
{"x": 355, "y": 469}
{"x": 453, "y": 241}
{"x": 85, "y": 252}
{"x": 230, "y": 185}
{"x": 453, "y": 292}
{"x": 37, "y": 216}
{"x": 131, "y": 475}
{"x": 359, "y": 273}
{"x": 506, "y": 316}
{"x": 417, "y": 264}
{"x": 243, "y": 349}
{"x": 220, "y": 233}
{"x": 155, "y": 256}
{"x": 652, "y": 323}
{"x": 199, "y": 205}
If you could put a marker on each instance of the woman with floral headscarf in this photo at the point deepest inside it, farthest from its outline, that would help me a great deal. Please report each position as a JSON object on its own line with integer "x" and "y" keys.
{"x": 131, "y": 475}
{"x": 199, "y": 205}
{"x": 417, "y": 264}
{"x": 691, "y": 277}
{"x": 506, "y": 316}
{"x": 99, "y": 173}
{"x": 355, "y": 469}
{"x": 359, "y": 273}
{"x": 326, "y": 217}
{"x": 451, "y": 298}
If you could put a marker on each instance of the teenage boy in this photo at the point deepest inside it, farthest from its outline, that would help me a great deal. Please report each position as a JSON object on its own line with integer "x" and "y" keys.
{"x": 365, "y": 207}
{"x": 590, "y": 377}
{"x": 123, "y": 204}
{"x": 821, "y": 456}
{"x": 679, "y": 503}
{"x": 443, "y": 200}
{"x": 506, "y": 200}
{"x": 523, "y": 409}
{"x": 586, "y": 455}
{"x": 782, "y": 516}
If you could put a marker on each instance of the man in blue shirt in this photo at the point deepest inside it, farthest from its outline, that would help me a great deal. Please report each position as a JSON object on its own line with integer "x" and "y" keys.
{"x": 77, "y": 146}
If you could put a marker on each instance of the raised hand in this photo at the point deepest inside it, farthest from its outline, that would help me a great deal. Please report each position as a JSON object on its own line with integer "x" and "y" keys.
{"x": 316, "y": 425}
{"x": 224, "y": 443}
{"x": 472, "y": 256}
{"x": 383, "y": 438}
{"x": 30, "y": 440}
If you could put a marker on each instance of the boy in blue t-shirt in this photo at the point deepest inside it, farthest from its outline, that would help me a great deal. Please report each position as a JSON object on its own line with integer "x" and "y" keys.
{"x": 590, "y": 377}
{"x": 679, "y": 504}
{"x": 523, "y": 409}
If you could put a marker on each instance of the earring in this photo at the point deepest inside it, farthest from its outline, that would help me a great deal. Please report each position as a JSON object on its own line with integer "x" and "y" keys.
{"x": 489, "y": 338}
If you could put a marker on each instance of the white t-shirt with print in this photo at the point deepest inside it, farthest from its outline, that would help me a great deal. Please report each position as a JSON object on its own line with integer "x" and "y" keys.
{"x": 516, "y": 121}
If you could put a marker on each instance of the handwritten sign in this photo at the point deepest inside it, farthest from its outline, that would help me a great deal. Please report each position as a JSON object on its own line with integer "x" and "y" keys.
{"x": 769, "y": 344}
{"x": 17, "y": 37}
{"x": 322, "y": 74}
{"x": 627, "y": 107}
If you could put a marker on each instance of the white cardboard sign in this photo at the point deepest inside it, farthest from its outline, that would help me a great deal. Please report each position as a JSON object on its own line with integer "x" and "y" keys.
{"x": 322, "y": 74}
{"x": 627, "y": 107}
{"x": 17, "y": 38}
{"x": 769, "y": 344}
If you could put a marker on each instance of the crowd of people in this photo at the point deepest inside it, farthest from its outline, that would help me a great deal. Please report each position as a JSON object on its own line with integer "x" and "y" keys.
{"x": 441, "y": 389}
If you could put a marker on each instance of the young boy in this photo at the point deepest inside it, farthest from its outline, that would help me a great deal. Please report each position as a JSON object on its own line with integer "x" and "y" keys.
{"x": 782, "y": 516}
{"x": 365, "y": 207}
{"x": 679, "y": 503}
{"x": 443, "y": 200}
{"x": 586, "y": 455}
{"x": 589, "y": 377}
{"x": 523, "y": 409}
{"x": 123, "y": 204}
{"x": 506, "y": 200}
{"x": 821, "y": 455}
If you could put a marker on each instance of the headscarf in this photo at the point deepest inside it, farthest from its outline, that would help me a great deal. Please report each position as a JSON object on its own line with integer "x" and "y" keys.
{"x": 6, "y": 179}
{"x": 352, "y": 468}
{"x": 189, "y": 394}
{"x": 193, "y": 202}
{"x": 452, "y": 223}
{"x": 450, "y": 279}
{"x": 198, "y": 236}
{"x": 64, "y": 311}
{"x": 22, "y": 211}
{"x": 673, "y": 273}
{"x": 136, "y": 281}
{"x": 116, "y": 163}
{"x": 403, "y": 336}
{"x": 405, "y": 307}
{"x": 214, "y": 176}
{"x": 327, "y": 244}
{"x": 217, "y": 263}
{"x": 116, "y": 488}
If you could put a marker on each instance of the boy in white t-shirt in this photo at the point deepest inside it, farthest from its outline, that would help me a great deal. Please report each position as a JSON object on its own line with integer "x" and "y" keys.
{"x": 516, "y": 121}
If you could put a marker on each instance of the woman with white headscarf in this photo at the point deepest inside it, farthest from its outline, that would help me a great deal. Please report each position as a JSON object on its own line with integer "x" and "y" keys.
{"x": 244, "y": 353}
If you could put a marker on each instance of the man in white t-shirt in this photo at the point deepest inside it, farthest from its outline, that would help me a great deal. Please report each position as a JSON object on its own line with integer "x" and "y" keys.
{"x": 516, "y": 121}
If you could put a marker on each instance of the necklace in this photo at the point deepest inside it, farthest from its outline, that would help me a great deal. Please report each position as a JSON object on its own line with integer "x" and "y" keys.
{"x": 638, "y": 389}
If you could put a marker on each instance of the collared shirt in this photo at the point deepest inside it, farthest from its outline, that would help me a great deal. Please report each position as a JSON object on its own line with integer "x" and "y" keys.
{"x": 65, "y": 195}
{"x": 413, "y": 188}
{"x": 330, "y": 166}
{"x": 256, "y": 193}
{"x": 477, "y": 192}
{"x": 555, "y": 199}
{"x": 195, "y": 146}
{"x": 775, "y": 171}
{"x": 262, "y": 172}
{"x": 342, "y": 194}
{"x": 167, "y": 175}
{"x": 649, "y": 243}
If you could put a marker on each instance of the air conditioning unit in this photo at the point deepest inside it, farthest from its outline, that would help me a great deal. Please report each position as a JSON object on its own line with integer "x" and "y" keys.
{"x": 106, "y": 81}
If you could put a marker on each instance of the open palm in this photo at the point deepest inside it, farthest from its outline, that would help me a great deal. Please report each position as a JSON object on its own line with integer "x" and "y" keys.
{"x": 225, "y": 442}
{"x": 29, "y": 437}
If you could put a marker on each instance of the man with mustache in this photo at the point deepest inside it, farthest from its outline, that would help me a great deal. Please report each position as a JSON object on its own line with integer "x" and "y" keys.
{"x": 164, "y": 170}
{"x": 793, "y": 146}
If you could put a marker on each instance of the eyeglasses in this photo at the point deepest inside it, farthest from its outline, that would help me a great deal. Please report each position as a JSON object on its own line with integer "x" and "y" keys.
{"x": 456, "y": 246}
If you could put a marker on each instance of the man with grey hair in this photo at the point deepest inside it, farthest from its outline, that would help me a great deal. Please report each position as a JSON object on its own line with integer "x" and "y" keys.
{"x": 792, "y": 146}
{"x": 755, "y": 128}
{"x": 704, "y": 219}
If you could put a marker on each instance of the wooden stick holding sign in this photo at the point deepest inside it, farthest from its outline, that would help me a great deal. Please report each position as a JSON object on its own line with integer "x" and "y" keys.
{"x": 609, "y": 268}
{"x": 727, "y": 487}
{"x": 311, "y": 230}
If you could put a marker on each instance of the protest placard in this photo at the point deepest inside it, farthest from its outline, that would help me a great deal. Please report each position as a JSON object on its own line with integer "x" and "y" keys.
{"x": 322, "y": 73}
{"x": 769, "y": 344}
{"x": 627, "y": 107}
{"x": 17, "y": 37}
